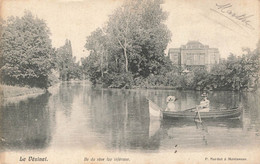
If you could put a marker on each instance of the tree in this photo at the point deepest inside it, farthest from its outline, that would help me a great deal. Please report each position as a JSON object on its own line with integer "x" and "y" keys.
{"x": 152, "y": 38}
{"x": 137, "y": 29}
{"x": 237, "y": 73}
{"x": 120, "y": 29}
{"x": 66, "y": 63}
{"x": 65, "y": 60}
{"x": 96, "y": 44}
{"x": 26, "y": 51}
{"x": 91, "y": 68}
{"x": 134, "y": 39}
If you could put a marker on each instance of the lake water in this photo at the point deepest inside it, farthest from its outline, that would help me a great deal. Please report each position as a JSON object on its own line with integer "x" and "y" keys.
{"x": 78, "y": 116}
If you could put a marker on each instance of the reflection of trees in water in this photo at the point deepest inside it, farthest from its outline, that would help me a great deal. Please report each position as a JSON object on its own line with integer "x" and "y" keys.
{"x": 26, "y": 125}
{"x": 66, "y": 94}
{"x": 224, "y": 99}
{"x": 189, "y": 134}
{"x": 121, "y": 117}
{"x": 251, "y": 116}
{"x": 138, "y": 122}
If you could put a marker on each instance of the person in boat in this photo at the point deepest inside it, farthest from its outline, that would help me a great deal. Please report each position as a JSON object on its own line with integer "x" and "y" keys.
{"x": 204, "y": 103}
{"x": 170, "y": 104}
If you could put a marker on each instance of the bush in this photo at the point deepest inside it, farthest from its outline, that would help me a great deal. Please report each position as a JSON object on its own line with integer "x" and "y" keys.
{"x": 120, "y": 80}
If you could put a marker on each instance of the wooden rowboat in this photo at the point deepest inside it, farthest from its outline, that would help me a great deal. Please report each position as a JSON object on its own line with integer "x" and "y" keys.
{"x": 212, "y": 114}
{"x": 156, "y": 111}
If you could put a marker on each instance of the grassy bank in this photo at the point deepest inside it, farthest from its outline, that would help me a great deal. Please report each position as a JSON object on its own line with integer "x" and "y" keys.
{"x": 16, "y": 91}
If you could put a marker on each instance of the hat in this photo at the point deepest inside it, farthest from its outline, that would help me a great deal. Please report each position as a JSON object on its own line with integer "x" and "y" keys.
{"x": 204, "y": 94}
{"x": 171, "y": 98}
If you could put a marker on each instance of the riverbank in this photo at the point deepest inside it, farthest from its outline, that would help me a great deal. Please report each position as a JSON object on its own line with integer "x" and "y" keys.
{"x": 9, "y": 91}
{"x": 155, "y": 87}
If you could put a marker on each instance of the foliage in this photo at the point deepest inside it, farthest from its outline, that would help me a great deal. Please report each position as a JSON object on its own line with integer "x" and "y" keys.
{"x": 132, "y": 43}
{"x": 129, "y": 51}
{"x": 237, "y": 72}
{"x": 96, "y": 44}
{"x": 118, "y": 80}
{"x": 234, "y": 73}
{"x": 26, "y": 51}
{"x": 66, "y": 63}
{"x": 91, "y": 68}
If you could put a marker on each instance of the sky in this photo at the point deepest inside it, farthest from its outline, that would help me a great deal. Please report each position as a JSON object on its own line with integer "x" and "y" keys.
{"x": 219, "y": 24}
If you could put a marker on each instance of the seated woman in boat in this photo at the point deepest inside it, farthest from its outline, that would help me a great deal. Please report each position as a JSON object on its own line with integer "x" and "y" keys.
{"x": 204, "y": 104}
{"x": 170, "y": 104}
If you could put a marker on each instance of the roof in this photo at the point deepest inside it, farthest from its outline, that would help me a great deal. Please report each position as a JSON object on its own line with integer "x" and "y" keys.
{"x": 194, "y": 43}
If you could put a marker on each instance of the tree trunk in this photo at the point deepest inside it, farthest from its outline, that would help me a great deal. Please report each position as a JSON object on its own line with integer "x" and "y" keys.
{"x": 126, "y": 60}
{"x": 101, "y": 65}
{"x": 117, "y": 66}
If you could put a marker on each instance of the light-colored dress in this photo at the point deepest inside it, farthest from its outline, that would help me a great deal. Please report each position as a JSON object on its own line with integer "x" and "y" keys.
{"x": 204, "y": 106}
{"x": 170, "y": 107}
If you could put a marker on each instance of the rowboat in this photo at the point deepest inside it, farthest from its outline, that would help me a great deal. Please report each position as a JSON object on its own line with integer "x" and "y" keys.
{"x": 179, "y": 123}
{"x": 212, "y": 114}
{"x": 156, "y": 111}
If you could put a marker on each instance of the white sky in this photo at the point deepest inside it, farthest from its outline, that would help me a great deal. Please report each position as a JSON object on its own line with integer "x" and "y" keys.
{"x": 188, "y": 20}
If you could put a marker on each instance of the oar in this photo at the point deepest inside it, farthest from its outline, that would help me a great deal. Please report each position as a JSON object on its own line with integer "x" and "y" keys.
{"x": 189, "y": 109}
{"x": 198, "y": 113}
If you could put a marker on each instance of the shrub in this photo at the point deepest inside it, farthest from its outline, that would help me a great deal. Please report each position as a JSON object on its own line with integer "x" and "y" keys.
{"x": 121, "y": 80}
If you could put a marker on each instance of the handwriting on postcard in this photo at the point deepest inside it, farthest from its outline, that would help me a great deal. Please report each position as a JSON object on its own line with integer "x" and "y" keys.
{"x": 240, "y": 19}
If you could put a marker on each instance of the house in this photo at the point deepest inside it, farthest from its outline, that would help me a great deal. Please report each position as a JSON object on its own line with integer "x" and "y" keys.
{"x": 194, "y": 54}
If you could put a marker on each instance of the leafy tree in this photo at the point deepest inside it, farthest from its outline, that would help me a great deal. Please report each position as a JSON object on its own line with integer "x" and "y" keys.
{"x": 66, "y": 63}
{"x": 96, "y": 44}
{"x": 137, "y": 29}
{"x": 237, "y": 73}
{"x": 91, "y": 68}
{"x": 26, "y": 51}
{"x": 132, "y": 42}
{"x": 119, "y": 30}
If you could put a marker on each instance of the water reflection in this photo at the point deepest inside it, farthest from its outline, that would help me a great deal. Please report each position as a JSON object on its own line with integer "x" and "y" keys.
{"x": 189, "y": 134}
{"x": 26, "y": 124}
{"x": 124, "y": 120}
{"x": 119, "y": 117}
{"x": 79, "y": 116}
